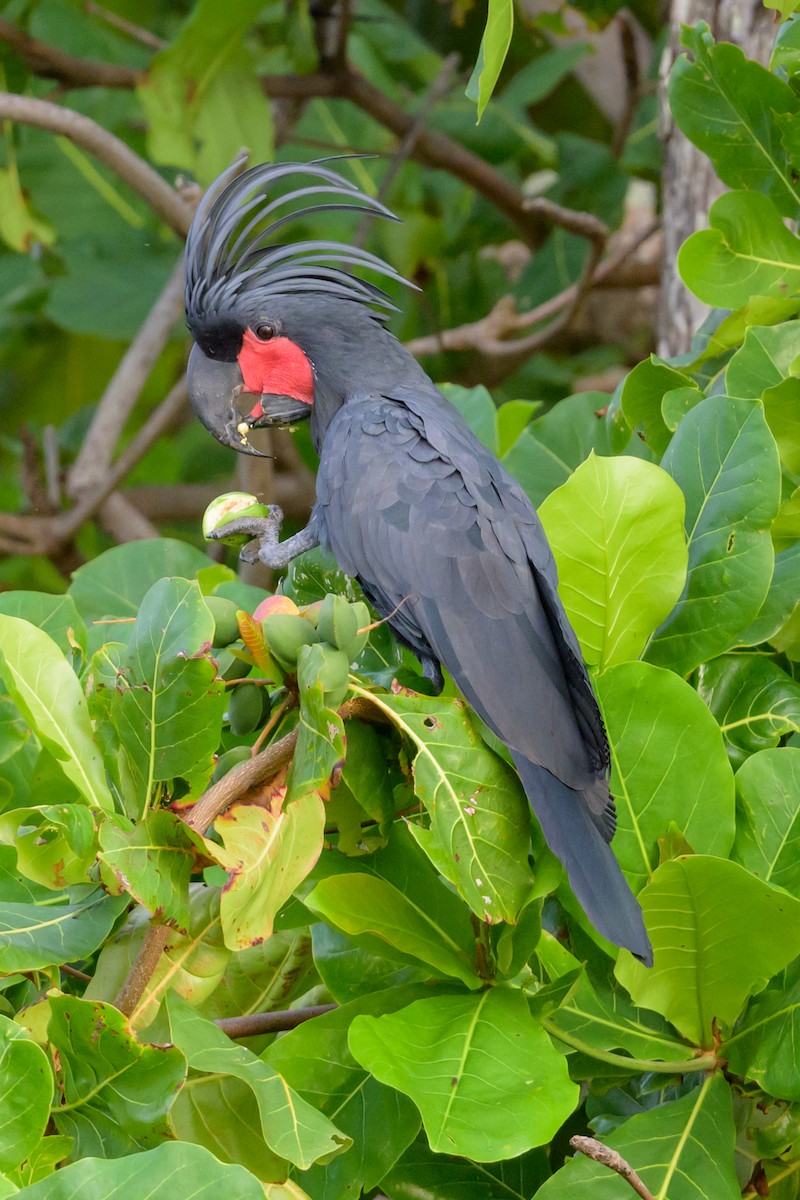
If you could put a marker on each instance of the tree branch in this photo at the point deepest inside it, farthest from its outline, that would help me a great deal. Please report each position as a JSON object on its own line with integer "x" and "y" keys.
{"x": 271, "y": 1022}
{"x": 52, "y": 63}
{"x": 611, "y": 1159}
{"x": 107, "y": 148}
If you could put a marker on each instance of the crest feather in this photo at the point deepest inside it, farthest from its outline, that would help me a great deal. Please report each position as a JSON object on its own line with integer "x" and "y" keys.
{"x": 230, "y": 255}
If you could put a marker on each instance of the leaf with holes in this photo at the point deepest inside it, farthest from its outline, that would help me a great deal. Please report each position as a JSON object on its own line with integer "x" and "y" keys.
{"x": 718, "y": 935}
{"x": 479, "y": 815}
{"x": 725, "y": 461}
{"x": 616, "y": 530}
{"x": 449, "y": 1052}
{"x": 667, "y": 760}
{"x": 56, "y": 844}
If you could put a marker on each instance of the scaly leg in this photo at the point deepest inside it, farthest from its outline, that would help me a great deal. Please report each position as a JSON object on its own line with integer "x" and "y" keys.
{"x": 266, "y": 547}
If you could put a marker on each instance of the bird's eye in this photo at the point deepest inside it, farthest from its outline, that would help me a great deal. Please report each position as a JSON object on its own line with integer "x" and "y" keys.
{"x": 264, "y": 331}
{"x": 211, "y": 352}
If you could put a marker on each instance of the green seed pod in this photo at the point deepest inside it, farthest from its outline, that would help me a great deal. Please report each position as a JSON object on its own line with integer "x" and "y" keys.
{"x": 231, "y": 758}
{"x": 246, "y": 708}
{"x": 227, "y": 508}
{"x": 237, "y": 668}
{"x": 226, "y": 625}
{"x": 359, "y": 640}
{"x": 337, "y": 622}
{"x": 285, "y": 634}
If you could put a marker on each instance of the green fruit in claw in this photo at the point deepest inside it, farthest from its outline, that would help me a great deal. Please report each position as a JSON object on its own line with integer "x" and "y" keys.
{"x": 247, "y": 708}
{"x": 226, "y": 624}
{"x": 229, "y": 507}
{"x": 231, "y": 758}
{"x": 285, "y": 634}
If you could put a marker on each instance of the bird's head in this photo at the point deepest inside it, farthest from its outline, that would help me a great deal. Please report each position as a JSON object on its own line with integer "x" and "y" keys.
{"x": 282, "y": 331}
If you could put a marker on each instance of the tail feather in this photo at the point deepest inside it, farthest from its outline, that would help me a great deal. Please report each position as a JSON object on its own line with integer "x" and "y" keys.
{"x": 593, "y": 871}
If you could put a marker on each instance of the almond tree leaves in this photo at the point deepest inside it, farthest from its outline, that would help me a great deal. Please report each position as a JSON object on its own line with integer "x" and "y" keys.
{"x": 153, "y": 862}
{"x": 56, "y": 844}
{"x": 289, "y": 1125}
{"x": 479, "y": 815}
{"x": 668, "y": 765}
{"x": 768, "y": 825}
{"x": 718, "y": 935}
{"x": 46, "y": 690}
{"x": 683, "y": 1150}
{"x": 451, "y": 1053}
{"x": 115, "y": 1093}
{"x": 725, "y": 461}
{"x": 158, "y": 702}
{"x": 727, "y": 105}
{"x": 754, "y": 701}
{"x": 616, "y": 530}
{"x": 26, "y": 1085}
{"x": 764, "y": 1045}
{"x": 174, "y": 1171}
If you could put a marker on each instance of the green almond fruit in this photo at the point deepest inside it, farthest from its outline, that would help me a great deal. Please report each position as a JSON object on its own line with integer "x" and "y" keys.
{"x": 236, "y": 668}
{"x": 226, "y": 624}
{"x": 361, "y": 637}
{"x": 285, "y": 634}
{"x": 228, "y": 760}
{"x": 246, "y": 708}
{"x": 337, "y": 624}
{"x": 322, "y": 664}
{"x": 229, "y": 507}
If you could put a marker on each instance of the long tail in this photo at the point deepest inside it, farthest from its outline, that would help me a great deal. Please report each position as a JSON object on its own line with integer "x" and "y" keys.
{"x": 592, "y": 869}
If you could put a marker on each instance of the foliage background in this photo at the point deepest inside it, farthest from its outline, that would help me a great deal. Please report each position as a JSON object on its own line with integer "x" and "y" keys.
{"x": 463, "y": 1050}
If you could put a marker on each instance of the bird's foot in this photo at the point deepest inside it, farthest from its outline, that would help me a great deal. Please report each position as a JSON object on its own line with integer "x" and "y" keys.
{"x": 265, "y": 546}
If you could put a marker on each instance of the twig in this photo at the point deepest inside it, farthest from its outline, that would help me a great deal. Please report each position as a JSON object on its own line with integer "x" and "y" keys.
{"x": 124, "y": 522}
{"x": 52, "y": 63}
{"x": 271, "y": 1022}
{"x": 109, "y": 149}
{"x": 52, "y": 471}
{"x": 135, "y": 32}
{"x": 611, "y": 1159}
{"x": 125, "y": 387}
{"x": 633, "y": 90}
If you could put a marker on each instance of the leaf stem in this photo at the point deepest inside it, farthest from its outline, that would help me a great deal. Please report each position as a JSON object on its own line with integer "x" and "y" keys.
{"x": 701, "y": 1062}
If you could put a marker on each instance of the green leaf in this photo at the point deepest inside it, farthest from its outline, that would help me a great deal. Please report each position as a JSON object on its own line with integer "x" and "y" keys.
{"x": 423, "y": 1175}
{"x": 768, "y": 825}
{"x": 267, "y": 976}
{"x": 616, "y": 530}
{"x": 449, "y": 1052}
{"x": 152, "y": 862}
{"x": 725, "y": 461}
{"x": 220, "y": 1112}
{"x": 782, "y": 599}
{"x": 762, "y": 1048}
{"x": 361, "y": 903}
{"x": 290, "y": 1127}
{"x": 547, "y": 452}
{"x": 26, "y": 1083}
{"x": 54, "y": 615}
{"x": 683, "y": 1149}
{"x": 46, "y": 690}
{"x": 754, "y": 701}
{"x": 748, "y": 250}
{"x": 320, "y": 740}
{"x": 479, "y": 815}
{"x": 479, "y": 411}
{"x": 764, "y": 360}
{"x": 115, "y": 1092}
{"x": 158, "y": 702}
{"x": 642, "y": 395}
{"x": 667, "y": 759}
{"x": 268, "y": 850}
{"x": 718, "y": 935}
{"x": 727, "y": 104}
{"x": 108, "y": 590}
{"x": 492, "y": 54}
{"x": 174, "y": 1171}
{"x": 55, "y": 843}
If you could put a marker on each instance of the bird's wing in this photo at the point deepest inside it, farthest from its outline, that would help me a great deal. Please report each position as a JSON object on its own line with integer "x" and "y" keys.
{"x": 413, "y": 505}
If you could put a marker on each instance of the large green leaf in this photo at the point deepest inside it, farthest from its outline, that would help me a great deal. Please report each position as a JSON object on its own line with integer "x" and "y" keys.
{"x": 748, "y": 250}
{"x": 682, "y": 1150}
{"x": 668, "y": 764}
{"x": 115, "y": 1093}
{"x": 448, "y": 1053}
{"x": 175, "y": 1171}
{"x": 265, "y": 977}
{"x": 158, "y": 702}
{"x": 754, "y": 701}
{"x": 718, "y": 935}
{"x": 423, "y": 1175}
{"x": 643, "y": 397}
{"x": 768, "y": 821}
{"x": 290, "y": 1127}
{"x": 551, "y": 447}
{"x": 220, "y": 1112}
{"x": 46, "y": 690}
{"x": 479, "y": 815}
{"x": 268, "y": 850}
{"x": 56, "y": 844}
{"x": 479, "y": 411}
{"x": 492, "y": 52}
{"x": 151, "y": 861}
{"x": 782, "y": 599}
{"x": 109, "y": 589}
{"x": 764, "y": 1045}
{"x": 727, "y": 104}
{"x": 763, "y": 360}
{"x": 725, "y": 460}
{"x": 26, "y": 1084}
{"x": 54, "y": 615}
{"x": 616, "y": 530}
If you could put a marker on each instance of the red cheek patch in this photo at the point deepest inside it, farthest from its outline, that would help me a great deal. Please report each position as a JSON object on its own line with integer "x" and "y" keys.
{"x": 278, "y": 367}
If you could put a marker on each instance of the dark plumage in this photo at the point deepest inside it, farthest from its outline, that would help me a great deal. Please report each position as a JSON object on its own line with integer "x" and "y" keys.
{"x": 410, "y": 503}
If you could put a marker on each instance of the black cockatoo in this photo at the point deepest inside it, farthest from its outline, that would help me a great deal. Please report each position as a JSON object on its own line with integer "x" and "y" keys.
{"x": 444, "y": 542}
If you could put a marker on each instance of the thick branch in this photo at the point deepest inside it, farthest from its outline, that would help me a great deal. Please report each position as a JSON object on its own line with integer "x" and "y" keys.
{"x": 109, "y": 149}
{"x": 271, "y": 1022}
{"x": 52, "y": 63}
{"x": 611, "y": 1159}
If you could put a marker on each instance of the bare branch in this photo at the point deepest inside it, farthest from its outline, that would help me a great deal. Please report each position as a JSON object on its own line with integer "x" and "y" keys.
{"x": 109, "y": 149}
{"x": 52, "y": 63}
{"x": 125, "y": 386}
{"x": 135, "y": 32}
{"x": 271, "y": 1022}
{"x": 124, "y": 522}
{"x": 611, "y": 1159}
